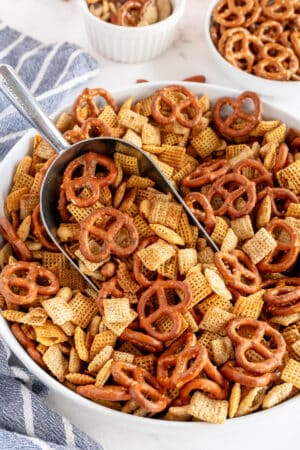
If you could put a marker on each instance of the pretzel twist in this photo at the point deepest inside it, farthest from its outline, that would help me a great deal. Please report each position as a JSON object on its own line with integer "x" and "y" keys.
{"x": 158, "y": 289}
{"x": 143, "y": 387}
{"x": 142, "y": 340}
{"x": 239, "y": 375}
{"x": 271, "y": 358}
{"x": 283, "y": 298}
{"x": 181, "y": 362}
{"x": 178, "y": 110}
{"x": 286, "y": 252}
{"x": 206, "y": 173}
{"x": 27, "y": 276}
{"x": 28, "y": 344}
{"x": 89, "y": 228}
{"x": 230, "y": 188}
{"x": 263, "y": 176}
{"x": 276, "y": 194}
{"x": 247, "y": 121}
{"x": 86, "y": 165}
{"x": 9, "y": 234}
{"x": 197, "y": 201}
{"x": 214, "y": 385}
{"x": 39, "y": 231}
{"x": 87, "y": 97}
{"x": 238, "y": 271}
{"x": 276, "y": 62}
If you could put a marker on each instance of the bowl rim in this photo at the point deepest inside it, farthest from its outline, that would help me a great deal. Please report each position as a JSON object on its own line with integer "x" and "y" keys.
{"x": 178, "y": 7}
{"x": 249, "y": 77}
{"x": 79, "y": 400}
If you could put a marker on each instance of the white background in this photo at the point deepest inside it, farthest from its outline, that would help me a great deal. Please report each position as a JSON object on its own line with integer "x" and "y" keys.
{"x": 56, "y": 20}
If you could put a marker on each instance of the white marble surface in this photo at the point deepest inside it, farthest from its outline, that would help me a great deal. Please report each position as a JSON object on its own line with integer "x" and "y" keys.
{"x": 52, "y": 20}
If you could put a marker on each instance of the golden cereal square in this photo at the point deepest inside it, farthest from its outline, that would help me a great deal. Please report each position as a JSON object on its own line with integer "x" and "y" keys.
{"x": 206, "y": 142}
{"x": 215, "y": 320}
{"x": 264, "y": 126}
{"x": 293, "y": 210}
{"x": 220, "y": 230}
{"x": 215, "y": 300}
{"x": 49, "y": 334}
{"x": 289, "y": 177}
{"x": 129, "y": 119}
{"x": 56, "y": 362}
{"x": 169, "y": 269}
{"x": 23, "y": 167}
{"x": 187, "y": 258}
{"x": 101, "y": 340}
{"x": 129, "y": 164}
{"x": 142, "y": 227}
{"x": 260, "y": 245}
{"x": 230, "y": 241}
{"x": 291, "y": 373}
{"x": 235, "y": 150}
{"x": 207, "y": 409}
{"x": 199, "y": 285}
{"x": 104, "y": 373}
{"x": 222, "y": 349}
{"x": 165, "y": 213}
{"x": 276, "y": 135}
{"x": 173, "y": 155}
{"x": 83, "y": 309}
{"x": 156, "y": 254}
{"x": 122, "y": 356}
{"x": 151, "y": 135}
{"x": 248, "y": 306}
{"x": 277, "y": 394}
{"x": 243, "y": 228}
{"x": 132, "y": 137}
{"x": 116, "y": 309}
{"x": 125, "y": 280}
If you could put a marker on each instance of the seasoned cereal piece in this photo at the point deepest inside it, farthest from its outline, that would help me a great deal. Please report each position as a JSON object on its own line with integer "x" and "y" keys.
{"x": 250, "y": 306}
{"x": 291, "y": 373}
{"x": 208, "y": 409}
{"x": 156, "y": 254}
{"x": 215, "y": 320}
{"x": 198, "y": 283}
{"x": 242, "y": 228}
{"x": 260, "y": 245}
{"x": 187, "y": 258}
{"x": 56, "y": 362}
{"x": 277, "y": 395}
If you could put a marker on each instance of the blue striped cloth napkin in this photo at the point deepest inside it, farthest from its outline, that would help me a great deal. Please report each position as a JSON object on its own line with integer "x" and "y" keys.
{"x": 26, "y": 422}
{"x": 49, "y": 71}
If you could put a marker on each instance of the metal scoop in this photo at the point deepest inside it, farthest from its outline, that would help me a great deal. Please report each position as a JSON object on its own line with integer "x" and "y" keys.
{"x": 18, "y": 94}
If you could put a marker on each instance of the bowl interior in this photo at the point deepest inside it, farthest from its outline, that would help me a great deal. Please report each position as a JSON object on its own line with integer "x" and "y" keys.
{"x": 7, "y": 167}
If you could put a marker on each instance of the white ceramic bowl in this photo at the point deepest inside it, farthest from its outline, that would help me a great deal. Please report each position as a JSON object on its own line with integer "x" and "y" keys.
{"x": 106, "y": 416}
{"x": 243, "y": 79}
{"x": 131, "y": 44}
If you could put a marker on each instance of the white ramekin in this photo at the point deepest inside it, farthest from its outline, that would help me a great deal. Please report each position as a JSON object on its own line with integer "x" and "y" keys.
{"x": 243, "y": 79}
{"x": 131, "y": 44}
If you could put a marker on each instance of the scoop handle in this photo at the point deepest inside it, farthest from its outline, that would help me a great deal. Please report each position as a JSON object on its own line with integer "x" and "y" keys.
{"x": 18, "y": 94}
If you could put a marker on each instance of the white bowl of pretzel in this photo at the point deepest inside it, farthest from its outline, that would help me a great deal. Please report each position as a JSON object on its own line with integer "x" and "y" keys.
{"x": 176, "y": 331}
{"x": 131, "y": 31}
{"x": 257, "y": 43}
